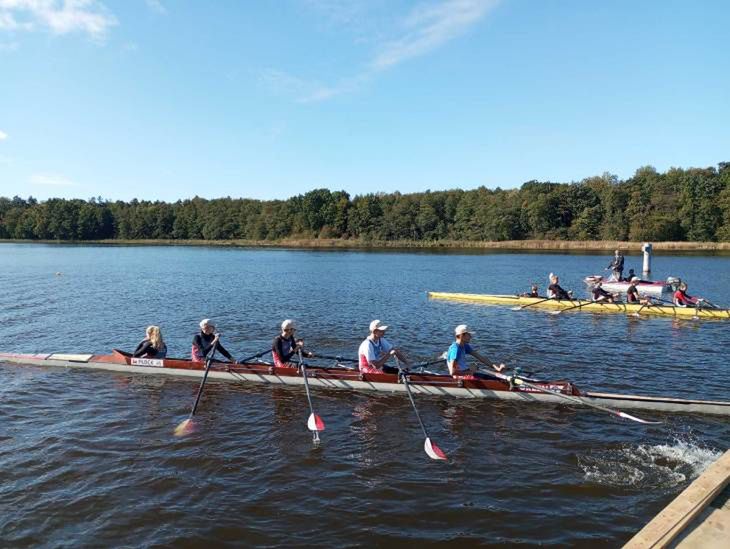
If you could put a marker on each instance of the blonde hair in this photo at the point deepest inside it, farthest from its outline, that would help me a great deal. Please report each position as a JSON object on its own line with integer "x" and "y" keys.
{"x": 155, "y": 337}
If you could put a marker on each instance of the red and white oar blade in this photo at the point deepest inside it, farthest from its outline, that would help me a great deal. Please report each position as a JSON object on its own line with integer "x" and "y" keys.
{"x": 185, "y": 428}
{"x": 634, "y": 418}
{"x": 315, "y": 423}
{"x": 433, "y": 451}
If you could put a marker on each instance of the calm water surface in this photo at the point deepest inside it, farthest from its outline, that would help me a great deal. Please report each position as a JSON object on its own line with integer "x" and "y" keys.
{"x": 88, "y": 458}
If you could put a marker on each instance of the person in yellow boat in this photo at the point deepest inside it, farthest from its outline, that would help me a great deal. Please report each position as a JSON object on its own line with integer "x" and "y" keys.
{"x": 555, "y": 291}
{"x": 599, "y": 294}
{"x": 534, "y": 292}
{"x": 456, "y": 355}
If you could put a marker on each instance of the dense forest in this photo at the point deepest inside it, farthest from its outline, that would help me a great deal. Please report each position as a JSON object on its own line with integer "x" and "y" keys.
{"x": 679, "y": 205}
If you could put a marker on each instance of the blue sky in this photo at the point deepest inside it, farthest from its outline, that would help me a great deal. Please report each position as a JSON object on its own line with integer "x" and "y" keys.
{"x": 158, "y": 99}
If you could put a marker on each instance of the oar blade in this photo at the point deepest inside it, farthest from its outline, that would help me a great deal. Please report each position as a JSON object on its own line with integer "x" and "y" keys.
{"x": 433, "y": 451}
{"x": 638, "y": 419}
{"x": 315, "y": 423}
{"x": 185, "y": 428}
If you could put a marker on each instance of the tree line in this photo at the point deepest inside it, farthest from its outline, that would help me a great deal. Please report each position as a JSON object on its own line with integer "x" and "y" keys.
{"x": 679, "y": 205}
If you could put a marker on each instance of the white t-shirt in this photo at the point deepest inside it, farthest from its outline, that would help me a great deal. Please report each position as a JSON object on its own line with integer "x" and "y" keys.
{"x": 370, "y": 351}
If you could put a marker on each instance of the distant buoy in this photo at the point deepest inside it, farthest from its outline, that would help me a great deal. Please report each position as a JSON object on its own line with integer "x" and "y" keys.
{"x": 59, "y": 273}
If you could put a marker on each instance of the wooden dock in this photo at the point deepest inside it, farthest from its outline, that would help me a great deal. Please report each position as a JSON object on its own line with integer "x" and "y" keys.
{"x": 698, "y": 517}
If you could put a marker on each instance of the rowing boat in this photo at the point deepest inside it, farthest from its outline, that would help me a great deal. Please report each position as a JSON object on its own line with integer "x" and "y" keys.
{"x": 585, "y": 305}
{"x": 337, "y": 376}
{"x": 654, "y": 288}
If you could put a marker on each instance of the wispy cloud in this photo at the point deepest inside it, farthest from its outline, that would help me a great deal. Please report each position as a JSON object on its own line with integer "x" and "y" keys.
{"x": 58, "y": 16}
{"x": 156, "y": 5}
{"x": 306, "y": 91}
{"x": 53, "y": 180}
{"x": 424, "y": 29}
{"x": 3, "y": 135}
{"x": 9, "y": 46}
{"x": 428, "y": 27}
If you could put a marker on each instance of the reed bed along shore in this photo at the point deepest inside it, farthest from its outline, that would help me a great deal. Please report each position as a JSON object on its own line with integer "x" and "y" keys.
{"x": 335, "y": 243}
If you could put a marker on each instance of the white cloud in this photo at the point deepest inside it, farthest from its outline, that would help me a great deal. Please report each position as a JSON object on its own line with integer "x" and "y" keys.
{"x": 58, "y": 16}
{"x": 425, "y": 28}
{"x": 429, "y": 26}
{"x": 156, "y": 5}
{"x": 52, "y": 180}
{"x": 3, "y": 135}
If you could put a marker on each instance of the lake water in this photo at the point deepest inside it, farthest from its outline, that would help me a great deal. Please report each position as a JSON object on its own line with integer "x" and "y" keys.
{"x": 88, "y": 458}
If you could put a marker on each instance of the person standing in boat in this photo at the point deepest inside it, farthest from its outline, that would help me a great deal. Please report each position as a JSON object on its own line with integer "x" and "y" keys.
{"x": 284, "y": 346}
{"x": 204, "y": 341}
{"x": 456, "y": 355}
{"x": 617, "y": 265}
{"x": 375, "y": 351}
{"x": 555, "y": 291}
{"x": 599, "y": 294}
{"x": 152, "y": 346}
{"x": 682, "y": 299}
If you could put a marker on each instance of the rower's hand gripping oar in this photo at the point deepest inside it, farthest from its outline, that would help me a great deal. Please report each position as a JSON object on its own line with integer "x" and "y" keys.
{"x": 314, "y": 423}
{"x": 433, "y": 451}
{"x": 186, "y": 426}
{"x": 519, "y": 381}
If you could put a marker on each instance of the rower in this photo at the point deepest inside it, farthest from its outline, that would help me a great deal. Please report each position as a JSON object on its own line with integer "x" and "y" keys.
{"x": 534, "y": 292}
{"x": 204, "y": 341}
{"x": 284, "y": 347}
{"x": 599, "y": 294}
{"x": 682, "y": 299}
{"x": 152, "y": 346}
{"x": 375, "y": 351}
{"x": 632, "y": 293}
{"x": 555, "y": 291}
{"x": 456, "y": 355}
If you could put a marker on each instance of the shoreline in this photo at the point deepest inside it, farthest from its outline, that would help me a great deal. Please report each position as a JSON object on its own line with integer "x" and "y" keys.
{"x": 334, "y": 243}
{"x": 343, "y": 244}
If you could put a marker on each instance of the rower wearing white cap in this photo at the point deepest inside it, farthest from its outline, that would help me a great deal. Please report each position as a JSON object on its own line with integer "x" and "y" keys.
{"x": 456, "y": 355}
{"x": 284, "y": 346}
{"x": 375, "y": 351}
{"x": 204, "y": 341}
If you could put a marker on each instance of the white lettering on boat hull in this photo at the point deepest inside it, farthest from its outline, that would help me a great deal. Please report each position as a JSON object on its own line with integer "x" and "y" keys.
{"x": 154, "y": 362}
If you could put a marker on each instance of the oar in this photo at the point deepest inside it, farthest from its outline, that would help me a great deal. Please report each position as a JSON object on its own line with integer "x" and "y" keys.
{"x": 567, "y": 308}
{"x": 337, "y": 358}
{"x": 433, "y": 451}
{"x": 647, "y": 303}
{"x": 440, "y": 358}
{"x": 519, "y": 381}
{"x": 314, "y": 423}
{"x": 531, "y": 304}
{"x": 186, "y": 426}
{"x": 257, "y": 355}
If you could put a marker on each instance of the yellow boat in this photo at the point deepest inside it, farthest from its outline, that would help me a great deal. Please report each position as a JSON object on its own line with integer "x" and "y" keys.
{"x": 586, "y": 306}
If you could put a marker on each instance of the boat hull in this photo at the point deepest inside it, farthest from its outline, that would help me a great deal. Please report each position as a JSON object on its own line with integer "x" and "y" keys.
{"x": 654, "y": 289}
{"x": 351, "y": 379}
{"x": 586, "y": 306}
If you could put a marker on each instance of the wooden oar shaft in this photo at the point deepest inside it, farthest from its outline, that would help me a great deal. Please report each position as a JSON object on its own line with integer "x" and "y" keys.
{"x": 303, "y": 369}
{"x": 208, "y": 360}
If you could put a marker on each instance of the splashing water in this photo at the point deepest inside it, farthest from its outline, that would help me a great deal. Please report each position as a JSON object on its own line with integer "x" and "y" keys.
{"x": 648, "y": 466}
